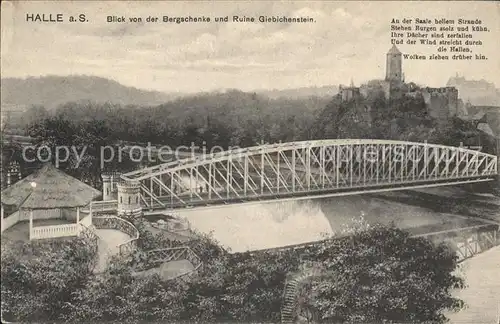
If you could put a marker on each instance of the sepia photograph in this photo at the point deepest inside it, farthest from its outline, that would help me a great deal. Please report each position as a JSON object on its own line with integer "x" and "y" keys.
{"x": 250, "y": 162}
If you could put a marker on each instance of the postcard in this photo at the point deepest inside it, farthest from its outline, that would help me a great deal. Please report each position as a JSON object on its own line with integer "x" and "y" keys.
{"x": 250, "y": 162}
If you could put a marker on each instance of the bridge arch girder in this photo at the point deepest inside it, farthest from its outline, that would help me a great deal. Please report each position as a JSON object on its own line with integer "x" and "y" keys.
{"x": 275, "y": 171}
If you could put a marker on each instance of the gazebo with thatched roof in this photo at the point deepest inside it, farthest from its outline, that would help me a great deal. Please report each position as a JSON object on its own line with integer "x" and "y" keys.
{"x": 51, "y": 201}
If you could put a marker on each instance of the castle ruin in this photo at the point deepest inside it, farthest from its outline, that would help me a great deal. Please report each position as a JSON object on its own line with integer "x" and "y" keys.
{"x": 441, "y": 103}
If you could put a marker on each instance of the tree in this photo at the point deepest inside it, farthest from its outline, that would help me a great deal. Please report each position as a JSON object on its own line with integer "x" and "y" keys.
{"x": 368, "y": 274}
{"x": 77, "y": 146}
{"x": 118, "y": 296}
{"x": 328, "y": 121}
{"x": 382, "y": 274}
{"x": 38, "y": 279}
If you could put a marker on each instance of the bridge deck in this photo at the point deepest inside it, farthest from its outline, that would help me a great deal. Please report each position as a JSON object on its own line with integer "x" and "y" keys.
{"x": 197, "y": 199}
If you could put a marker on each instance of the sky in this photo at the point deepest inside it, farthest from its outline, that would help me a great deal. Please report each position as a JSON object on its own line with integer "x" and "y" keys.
{"x": 348, "y": 40}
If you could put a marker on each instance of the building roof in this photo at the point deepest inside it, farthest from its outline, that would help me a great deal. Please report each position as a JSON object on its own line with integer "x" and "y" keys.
{"x": 394, "y": 50}
{"x": 478, "y": 116}
{"x": 485, "y": 128}
{"x": 53, "y": 189}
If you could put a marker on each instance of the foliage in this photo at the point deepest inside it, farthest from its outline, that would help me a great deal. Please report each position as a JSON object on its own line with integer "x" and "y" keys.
{"x": 376, "y": 273}
{"x": 224, "y": 120}
{"x": 204, "y": 245}
{"x": 401, "y": 118}
{"x": 382, "y": 274}
{"x": 118, "y": 296}
{"x": 234, "y": 118}
{"x": 39, "y": 278}
{"x": 79, "y": 145}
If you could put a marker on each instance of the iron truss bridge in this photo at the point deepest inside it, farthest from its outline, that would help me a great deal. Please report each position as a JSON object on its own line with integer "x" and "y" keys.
{"x": 308, "y": 170}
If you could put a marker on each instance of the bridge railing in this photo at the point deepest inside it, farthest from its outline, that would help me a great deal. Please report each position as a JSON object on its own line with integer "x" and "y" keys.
{"x": 271, "y": 148}
{"x": 122, "y": 225}
{"x": 460, "y": 231}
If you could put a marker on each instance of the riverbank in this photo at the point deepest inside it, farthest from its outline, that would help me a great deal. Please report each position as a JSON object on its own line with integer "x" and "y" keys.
{"x": 434, "y": 209}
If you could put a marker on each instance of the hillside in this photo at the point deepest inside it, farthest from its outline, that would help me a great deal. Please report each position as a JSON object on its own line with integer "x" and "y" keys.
{"x": 52, "y": 91}
{"x": 304, "y": 92}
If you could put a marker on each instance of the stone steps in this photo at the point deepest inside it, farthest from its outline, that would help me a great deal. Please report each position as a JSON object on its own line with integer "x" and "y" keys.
{"x": 289, "y": 308}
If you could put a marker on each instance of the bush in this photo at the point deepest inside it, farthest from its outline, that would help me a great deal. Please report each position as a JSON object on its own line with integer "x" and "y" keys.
{"x": 376, "y": 274}
{"x": 38, "y": 278}
{"x": 382, "y": 274}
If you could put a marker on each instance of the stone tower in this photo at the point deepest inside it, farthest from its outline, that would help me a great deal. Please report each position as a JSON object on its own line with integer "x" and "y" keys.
{"x": 394, "y": 65}
{"x": 129, "y": 199}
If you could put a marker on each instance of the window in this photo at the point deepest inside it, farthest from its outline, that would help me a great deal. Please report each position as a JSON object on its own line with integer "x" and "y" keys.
{"x": 121, "y": 200}
{"x": 136, "y": 199}
{"x": 129, "y": 199}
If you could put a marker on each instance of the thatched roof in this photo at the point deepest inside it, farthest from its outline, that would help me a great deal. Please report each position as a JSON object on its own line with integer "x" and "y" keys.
{"x": 54, "y": 189}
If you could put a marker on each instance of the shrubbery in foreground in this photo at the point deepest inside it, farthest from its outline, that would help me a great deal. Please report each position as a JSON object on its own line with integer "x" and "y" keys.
{"x": 374, "y": 275}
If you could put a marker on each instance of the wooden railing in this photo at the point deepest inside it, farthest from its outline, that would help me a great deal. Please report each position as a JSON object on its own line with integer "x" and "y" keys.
{"x": 54, "y": 231}
{"x": 151, "y": 258}
{"x": 177, "y": 226}
{"x": 460, "y": 231}
{"x": 102, "y": 206}
{"x": 10, "y": 221}
{"x": 122, "y": 225}
{"x": 469, "y": 241}
{"x": 159, "y": 256}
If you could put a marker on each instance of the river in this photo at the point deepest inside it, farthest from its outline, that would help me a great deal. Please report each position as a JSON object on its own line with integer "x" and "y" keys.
{"x": 268, "y": 225}
{"x": 482, "y": 294}
{"x": 260, "y": 226}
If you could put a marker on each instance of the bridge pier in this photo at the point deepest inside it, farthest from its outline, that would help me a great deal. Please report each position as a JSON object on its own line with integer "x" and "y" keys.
{"x": 129, "y": 199}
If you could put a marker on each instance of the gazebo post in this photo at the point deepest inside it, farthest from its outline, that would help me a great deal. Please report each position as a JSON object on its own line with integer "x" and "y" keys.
{"x": 77, "y": 221}
{"x": 1, "y": 214}
{"x": 90, "y": 212}
{"x": 31, "y": 224}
